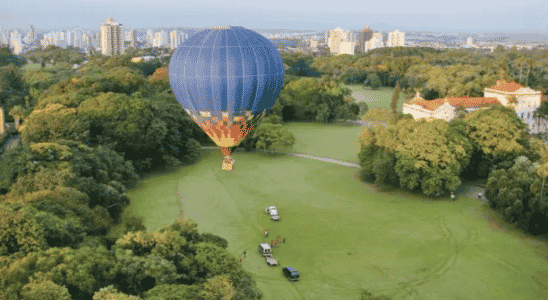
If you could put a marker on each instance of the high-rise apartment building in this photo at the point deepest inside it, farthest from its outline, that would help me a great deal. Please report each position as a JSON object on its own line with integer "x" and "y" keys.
{"x": 31, "y": 34}
{"x": 375, "y": 42}
{"x": 16, "y": 42}
{"x": 364, "y": 36}
{"x": 337, "y": 37}
{"x": 133, "y": 39}
{"x": 70, "y": 38}
{"x": 86, "y": 42}
{"x": 96, "y": 41}
{"x": 175, "y": 39}
{"x": 78, "y": 39}
{"x": 396, "y": 39}
{"x": 470, "y": 43}
{"x": 1, "y": 121}
{"x": 160, "y": 39}
{"x": 4, "y": 38}
{"x": 112, "y": 38}
{"x": 150, "y": 38}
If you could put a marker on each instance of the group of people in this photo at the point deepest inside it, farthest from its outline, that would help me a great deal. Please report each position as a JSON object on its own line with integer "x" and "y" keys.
{"x": 480, "y": 195}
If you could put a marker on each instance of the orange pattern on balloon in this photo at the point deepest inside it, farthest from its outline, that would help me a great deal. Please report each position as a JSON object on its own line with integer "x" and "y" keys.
{"x": 223, "y": 135}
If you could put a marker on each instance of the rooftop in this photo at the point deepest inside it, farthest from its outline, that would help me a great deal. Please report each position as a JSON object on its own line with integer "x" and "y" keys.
{"x": 506, "y": 86}
{"x": 467, "y": 102}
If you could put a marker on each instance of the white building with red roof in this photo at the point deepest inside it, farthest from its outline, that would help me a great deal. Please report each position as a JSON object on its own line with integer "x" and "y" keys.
{"x": 528, "y": 100}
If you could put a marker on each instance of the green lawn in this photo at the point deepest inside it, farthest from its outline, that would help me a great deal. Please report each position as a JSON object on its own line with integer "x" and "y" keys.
{"x": 333, "y": 141}
{"x": 344, "y": 235}
{"x": 34, "y": 66}
{"x": 376, "y": 98}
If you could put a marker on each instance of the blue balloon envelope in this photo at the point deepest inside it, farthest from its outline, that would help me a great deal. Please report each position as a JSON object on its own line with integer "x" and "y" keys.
{"x": 221, "y": 75}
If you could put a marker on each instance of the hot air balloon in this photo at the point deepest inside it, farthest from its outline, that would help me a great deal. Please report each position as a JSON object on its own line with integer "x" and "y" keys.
{"x": 223, "y": 76}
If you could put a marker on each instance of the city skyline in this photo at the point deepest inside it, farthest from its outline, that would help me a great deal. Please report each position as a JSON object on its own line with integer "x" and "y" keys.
{"x": 425, "y": 15}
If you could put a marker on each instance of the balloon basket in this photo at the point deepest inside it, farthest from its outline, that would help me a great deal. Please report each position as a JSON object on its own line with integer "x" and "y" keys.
{"x": 227, "y": 165}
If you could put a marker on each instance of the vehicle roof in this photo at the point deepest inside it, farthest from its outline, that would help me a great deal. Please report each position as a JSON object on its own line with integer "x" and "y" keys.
{"x": 291, "y": 269}
{"x": 274, "y": 207}
{"x": 265, "y": 246}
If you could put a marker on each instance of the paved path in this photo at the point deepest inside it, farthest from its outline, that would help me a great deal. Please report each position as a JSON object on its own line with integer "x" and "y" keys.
{"x": 331, "y": 160}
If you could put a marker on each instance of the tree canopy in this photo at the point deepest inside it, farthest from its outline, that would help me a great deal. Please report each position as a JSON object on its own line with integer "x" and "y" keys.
{"x": 416, "y": 155}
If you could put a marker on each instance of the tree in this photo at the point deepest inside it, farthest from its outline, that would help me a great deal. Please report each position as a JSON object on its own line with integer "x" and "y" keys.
{"x": 300, "y": 66}
{"x": 45, "y": 290}
{"x": 13, "y": 88}
{"x": 374, "y": 81}
{"x": 160, "y": 76}
{"x": 111, "y": 293}
{"x": 354, "y": 76}
{"x": 214, "y": 239}
{"x": 460, "y": 113}
{"x": 16, "y": 112}
{"x": 7, "y": 57}
{"x": 138, "y": 274}
{"x": 214, "y": 261}
{"x": 218, "y": 288}
{"x": 18, "y": 233}
{"x": 378, "y": 116}
{"x": 511, "y": 191}
{"x": 542, "y": 167}
{"x": 426, "y": 155}
{"x": 363, "y": 108}
{"x": 274, "y": 137}
{"x": 104, "y": 176}
{"x": 173, "y": 292}
{"x": 54, "y": 123}
{"x": 395, "y": 99}
{"x": 541, "y": 112}
{"x": 83, "y": 271}
{"x": 512, "y": 100}
{"x": 498, "y": 134}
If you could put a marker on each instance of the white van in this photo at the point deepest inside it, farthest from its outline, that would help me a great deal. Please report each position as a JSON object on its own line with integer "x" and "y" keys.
{"x": 265, "y": 249}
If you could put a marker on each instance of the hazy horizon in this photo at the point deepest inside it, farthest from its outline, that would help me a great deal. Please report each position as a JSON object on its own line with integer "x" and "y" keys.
{"x": 465, "y": 16}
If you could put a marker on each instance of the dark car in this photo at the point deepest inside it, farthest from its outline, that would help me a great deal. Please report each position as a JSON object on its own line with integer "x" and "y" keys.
{"x": 291, "y": 273}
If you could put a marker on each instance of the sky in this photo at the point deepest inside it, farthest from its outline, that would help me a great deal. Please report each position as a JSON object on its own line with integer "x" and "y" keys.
{"x": 472, "y": 16}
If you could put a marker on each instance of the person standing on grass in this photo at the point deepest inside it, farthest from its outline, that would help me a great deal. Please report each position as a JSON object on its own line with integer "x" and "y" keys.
{"x": 244, "y": 253}
{"x": 452, "y": 196}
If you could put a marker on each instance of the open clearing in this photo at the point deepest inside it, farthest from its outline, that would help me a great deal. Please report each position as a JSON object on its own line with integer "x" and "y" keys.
{"x": 344, "y": 235}
{"x": 375, "y": 98}
{"x": 35, "y": 66}
{"x": 333, "y": 141}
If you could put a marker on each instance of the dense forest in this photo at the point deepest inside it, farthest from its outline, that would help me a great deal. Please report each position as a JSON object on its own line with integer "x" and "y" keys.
{"x": 88, "y": 133}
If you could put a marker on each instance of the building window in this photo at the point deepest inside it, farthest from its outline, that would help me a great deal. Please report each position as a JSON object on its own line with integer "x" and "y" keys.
{"x": 528, "y": 115}
{"x": 522, "y": 115}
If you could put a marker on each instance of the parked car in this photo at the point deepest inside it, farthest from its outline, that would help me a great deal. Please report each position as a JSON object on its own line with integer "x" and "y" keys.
{"x": 291, "y": 273}
{"x": 273, "y": 212}
{"x": 264, "y": 249}
{"x": 271, "y": 261}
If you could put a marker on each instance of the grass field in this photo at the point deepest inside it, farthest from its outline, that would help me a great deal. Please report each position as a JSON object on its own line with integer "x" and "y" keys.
{"x": 333, "y": 141}
{"x": 34, "y": 66}
{"x": 376, "y": 98}
{"x": 344, "y": 235}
